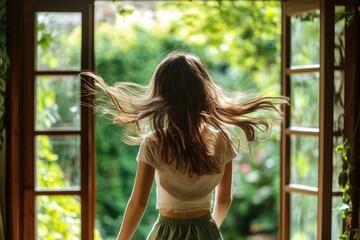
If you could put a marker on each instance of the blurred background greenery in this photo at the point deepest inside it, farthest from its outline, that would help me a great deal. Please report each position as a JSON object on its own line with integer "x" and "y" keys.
{"x": 240, "y": 44}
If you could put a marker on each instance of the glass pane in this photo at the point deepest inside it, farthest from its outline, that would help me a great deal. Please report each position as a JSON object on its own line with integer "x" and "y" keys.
{"x": 57, "y": 103}
{"x": 305, "y": 39}
{"x": 339, "y": 77}
{"x": 303, "y": 215}
{"x": 304, "y": 160}
{"x": 304, "y": 100}
{"x": 58, "y": 217}
{"x": 58, "y": 41}
{"x": 337, "y": 164}
{"x": 58, "y": 162}
{"x": 336, "y": 219}
{"x": 339, "y": 53}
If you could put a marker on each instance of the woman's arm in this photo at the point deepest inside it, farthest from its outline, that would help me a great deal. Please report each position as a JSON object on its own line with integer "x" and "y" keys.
{"x": 138, "y": 200}
{"x": 223, "y": 196}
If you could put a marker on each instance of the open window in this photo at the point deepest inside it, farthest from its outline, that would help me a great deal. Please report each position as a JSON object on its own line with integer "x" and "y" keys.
{"x": 317, "y": 70}
{"x": 47, "y": 121}
{"x": 52, "y": 159}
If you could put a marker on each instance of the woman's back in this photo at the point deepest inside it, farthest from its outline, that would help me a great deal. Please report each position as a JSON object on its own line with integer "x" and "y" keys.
{"x": 181, "y": 191}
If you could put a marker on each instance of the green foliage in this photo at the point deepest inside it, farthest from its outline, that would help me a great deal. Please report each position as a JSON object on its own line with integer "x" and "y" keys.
{"x": 241, "y": 39}
{"x": 58, "y": 37}
{"x": 57, "y": 216}
{"x": 44, "y": 38}
{"x": 255, "y": 191}
{"x": 4, "y": 70}
{"x": 116, "y": 167}
{"x": 348, "y": 16}
{"x": 345, "y": 180}
{"x": 239, "y": 56}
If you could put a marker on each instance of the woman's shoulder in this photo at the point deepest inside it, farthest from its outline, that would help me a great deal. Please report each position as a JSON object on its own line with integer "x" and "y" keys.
{"x": 149, "y": 138}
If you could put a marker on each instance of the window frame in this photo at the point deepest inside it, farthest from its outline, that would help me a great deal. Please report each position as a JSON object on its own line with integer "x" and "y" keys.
{"x": 20, "y": 189}
{"x": 325, "y": 132}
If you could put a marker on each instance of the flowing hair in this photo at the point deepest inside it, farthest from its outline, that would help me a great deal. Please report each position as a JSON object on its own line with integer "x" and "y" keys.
{"x": 179, "y": 101}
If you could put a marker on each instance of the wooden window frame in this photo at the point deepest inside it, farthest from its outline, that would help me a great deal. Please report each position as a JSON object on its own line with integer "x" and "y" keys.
{"x": 324, "y": 192}
{"x": 20, "y": 190}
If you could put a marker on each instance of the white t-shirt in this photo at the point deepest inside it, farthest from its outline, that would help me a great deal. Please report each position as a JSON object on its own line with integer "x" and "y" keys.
{"x": 179, "y": 191}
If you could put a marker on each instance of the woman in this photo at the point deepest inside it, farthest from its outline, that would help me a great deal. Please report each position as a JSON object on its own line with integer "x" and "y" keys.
{"x": 183, "y": 120}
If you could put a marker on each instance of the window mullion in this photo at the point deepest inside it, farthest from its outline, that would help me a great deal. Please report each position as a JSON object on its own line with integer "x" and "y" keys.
{"x": 87, "y": 126}
{"x": 326, "y": 115}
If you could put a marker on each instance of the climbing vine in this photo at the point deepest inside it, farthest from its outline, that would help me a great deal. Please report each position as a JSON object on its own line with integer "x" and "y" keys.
{"x": 346, "y": 174}
{"x": 345, "y": 181}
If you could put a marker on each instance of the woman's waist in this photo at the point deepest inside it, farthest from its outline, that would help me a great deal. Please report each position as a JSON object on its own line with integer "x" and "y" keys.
{"x": 183, "y": 214}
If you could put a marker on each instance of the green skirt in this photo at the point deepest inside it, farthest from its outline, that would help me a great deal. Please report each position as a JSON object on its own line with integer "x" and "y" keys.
{"x": 166, "y": 228}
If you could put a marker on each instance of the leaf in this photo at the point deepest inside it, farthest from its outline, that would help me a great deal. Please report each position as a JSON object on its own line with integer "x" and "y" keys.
{"x": 341, "y": 179}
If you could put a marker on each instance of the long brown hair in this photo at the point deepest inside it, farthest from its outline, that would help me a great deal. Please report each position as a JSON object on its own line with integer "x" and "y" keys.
{"x": 179, "y": 101}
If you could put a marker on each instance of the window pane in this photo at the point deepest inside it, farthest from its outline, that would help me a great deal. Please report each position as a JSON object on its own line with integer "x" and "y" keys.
{"x": 339, "y": 77}
{"x": 304, "y": 160}
{"x": 58, "y": 217}
{"x": 303, "y": 217}
{"x": 337, "y": 164}
{"x": 57, "y": 103}
{"x": 305, "y": 39}
{"x": 339, "y": 53}
{"x": 304, "y": 100}
{"x": 336, "y": 219}
{"x": 58, "y": 41}
{"x": 58, "y": 162}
